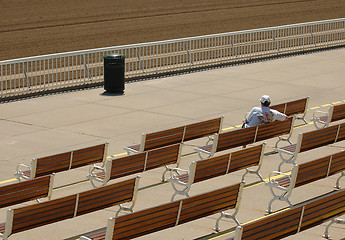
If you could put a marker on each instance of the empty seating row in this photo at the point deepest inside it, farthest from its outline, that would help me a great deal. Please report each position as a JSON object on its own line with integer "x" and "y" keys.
{"x": 305, "y": 173}
{"x": 171, "y": 214}
{"x": 32, "y": 216}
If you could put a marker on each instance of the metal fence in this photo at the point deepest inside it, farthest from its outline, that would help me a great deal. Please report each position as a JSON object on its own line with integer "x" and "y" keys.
{"x": 59, "y": 71}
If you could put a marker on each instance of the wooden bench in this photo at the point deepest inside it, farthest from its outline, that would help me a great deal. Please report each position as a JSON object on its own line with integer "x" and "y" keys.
{"x": 311, "y": 140}
{"x": 305, "y": 173}
{"x": 335, "y": 113}
{"x": 32, "y": 216}
{"x": 244, "y": 136}
{"x": 294, "y": 220}
{"x": 171, "y": 214}
{"x": 182, "y": 180}
{"x": 62, "y": 162}
{"x": 297, "y": 107}
{"x": 140, "y": 162}
{"x": 177, "y": 135}
{"x": 35, "y": 189}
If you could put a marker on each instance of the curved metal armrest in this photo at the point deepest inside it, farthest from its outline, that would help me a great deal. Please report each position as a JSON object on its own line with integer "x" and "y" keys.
{"x": 317, "y": 115}
{"x": 177, "y": 171}
{"x": 94, "y": 168}
{"x": 276, "y": 173}
{"x": 22, "y": 165}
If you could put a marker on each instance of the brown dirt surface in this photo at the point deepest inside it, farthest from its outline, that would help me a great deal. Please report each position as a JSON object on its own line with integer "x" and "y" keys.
{"x": 36, "y": 27}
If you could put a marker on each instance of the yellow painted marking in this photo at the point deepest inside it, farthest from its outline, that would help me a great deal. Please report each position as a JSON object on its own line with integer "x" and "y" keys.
{"x": 325, "y": 105}
{"x": 310, "y": 123}
{"x": 337, "y": 102}
{"x": 9, "y": 180}
{"x": 314, "y": 108}
{"x": 224, "y": 129}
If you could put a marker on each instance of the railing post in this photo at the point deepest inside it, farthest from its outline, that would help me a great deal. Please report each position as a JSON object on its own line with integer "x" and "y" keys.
{"x": 86, "y": 69}
{"x": 26, "y": 77}
{"x": 140, "y": 62}
{"x": 189, "y": 55}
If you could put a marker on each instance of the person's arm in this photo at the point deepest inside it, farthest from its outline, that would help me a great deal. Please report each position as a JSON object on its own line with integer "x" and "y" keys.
{"x": 278, "y": 115}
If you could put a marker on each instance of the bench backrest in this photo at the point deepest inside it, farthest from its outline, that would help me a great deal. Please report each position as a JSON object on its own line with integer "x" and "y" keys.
{"x": 68, "y": 160}
{"x": 203, "y": 129}
{"x": 338, "y": 112}
{"x": 323, "y": 209}
{"x": 162, "y": 138}
{"x": 275, "y": 226}
{"x": 322, "y": 137}
{"x": 227, "y": 163}
{"x": 180, "y": 134}
{"x": 253, "y": 134}
{"x": 294, "y": 220}
{"x": 294, "y": 107}
{"x": 143, "y": 161}
{"x": 235, "y": 138}
{"x": 171, "y": 214}
{"x": 274, "y": 129}
{"x": 32, "y": 216}
{"x": 320, "y": 168}
{"x": 25, "y": 191}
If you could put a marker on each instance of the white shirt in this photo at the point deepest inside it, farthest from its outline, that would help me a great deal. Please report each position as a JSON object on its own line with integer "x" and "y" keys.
{"x": 259, "y": 115}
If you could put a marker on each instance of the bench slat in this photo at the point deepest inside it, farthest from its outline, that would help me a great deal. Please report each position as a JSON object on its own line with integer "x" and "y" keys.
{"x": 245, "y": 158}
{"x": 277, "y": 225}
{"x": 163, "y": 156}
{"x": 323, "y": 209}
{"x": 163, "y": 138}
{"x": 318, "y": 138}
{"x": 86, "y": 156}
{"x": 202, "y": 129}
{"x": 24, "y": 191}
{"x": 209, "y": 203}
{"x": 312, "y": 171}
{"x": 106, "y": 196}
{"x": 212, "y": 167}
{"x": 146, "y": 221}
{"x": 338, "y": 112}
{"x": 127, "y": 165}
{"x": 296, "y": 107}
{"x": 338, "y": 163}
{"x": 274, "y": 129}
{"x": 49, "y": 212}
{"x": 236, "y": 138}
{"x": 52, "y": 164}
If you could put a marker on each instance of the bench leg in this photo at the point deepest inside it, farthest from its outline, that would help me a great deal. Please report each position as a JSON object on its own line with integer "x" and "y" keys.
{"x": 337, "y": 185}
{"x": 252, "y": 172}
{"x": 226, "y": 215}
{"x": 276, "y": 197}
{"x": 334, "y": 220}
{"x": 183, "y": 192}
{"x": 288, "y": 161}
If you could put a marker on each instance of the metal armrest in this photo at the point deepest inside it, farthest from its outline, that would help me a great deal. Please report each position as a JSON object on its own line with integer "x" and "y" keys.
{"x": 94, "y": 168}
{"x": 22, "y": 165}
{"x": 177, "y": 171}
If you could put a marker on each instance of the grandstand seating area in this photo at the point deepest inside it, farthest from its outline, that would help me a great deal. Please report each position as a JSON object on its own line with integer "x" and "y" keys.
{"x": 73, "y": 209}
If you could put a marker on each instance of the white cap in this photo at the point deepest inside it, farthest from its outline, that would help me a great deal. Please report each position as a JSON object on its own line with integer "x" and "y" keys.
{"x": 265, "y": 98}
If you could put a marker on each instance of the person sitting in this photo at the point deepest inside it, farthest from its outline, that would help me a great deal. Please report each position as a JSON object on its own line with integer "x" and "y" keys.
{"x": 263, "y": 114}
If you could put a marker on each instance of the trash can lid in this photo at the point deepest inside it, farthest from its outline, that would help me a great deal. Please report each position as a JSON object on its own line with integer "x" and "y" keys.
{"x": 113, "y": 56}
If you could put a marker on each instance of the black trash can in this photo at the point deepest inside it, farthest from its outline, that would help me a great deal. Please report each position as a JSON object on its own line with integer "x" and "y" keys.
{"x": 114, "y": 73}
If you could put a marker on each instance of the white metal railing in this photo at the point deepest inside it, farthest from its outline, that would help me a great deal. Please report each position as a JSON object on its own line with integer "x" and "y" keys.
{"x": 40, "y": 73}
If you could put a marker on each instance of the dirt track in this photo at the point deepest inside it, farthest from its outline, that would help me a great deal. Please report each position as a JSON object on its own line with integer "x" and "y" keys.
{"x": 35, "y": 27}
